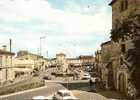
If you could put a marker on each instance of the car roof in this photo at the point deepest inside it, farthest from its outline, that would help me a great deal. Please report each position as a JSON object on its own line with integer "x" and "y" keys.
{"x": 39, "y": 97}
{"x": 64, "y": 91}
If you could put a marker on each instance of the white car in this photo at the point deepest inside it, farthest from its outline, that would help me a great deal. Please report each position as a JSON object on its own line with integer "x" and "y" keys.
{"x": 63, "y": 95}
{"x": 39, "y": 98}
{"x": 86, "y": 76}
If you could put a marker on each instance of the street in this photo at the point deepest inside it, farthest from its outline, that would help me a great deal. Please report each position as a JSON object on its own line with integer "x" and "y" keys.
{"x": 47, "y": 90}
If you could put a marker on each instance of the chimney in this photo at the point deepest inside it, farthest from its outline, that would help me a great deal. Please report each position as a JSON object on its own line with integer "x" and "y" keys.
{"x": 10, "y": 45}
{"x": 4, "y": 47}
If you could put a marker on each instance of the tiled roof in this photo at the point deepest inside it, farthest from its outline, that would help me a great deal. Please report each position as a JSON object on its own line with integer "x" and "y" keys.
{"x": 105, "y": 43}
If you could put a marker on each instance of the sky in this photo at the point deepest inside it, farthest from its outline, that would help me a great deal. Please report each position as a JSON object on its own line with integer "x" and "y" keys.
{"x": 74, "y": 27}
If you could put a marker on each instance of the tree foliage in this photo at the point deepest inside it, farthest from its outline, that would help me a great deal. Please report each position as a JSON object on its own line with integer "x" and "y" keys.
{"x": 128, "y": 27}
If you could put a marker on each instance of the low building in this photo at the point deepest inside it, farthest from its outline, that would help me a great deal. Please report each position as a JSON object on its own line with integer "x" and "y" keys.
{"x": 74, "y": 62}
{"x": 23, "y": 66}
{"x": 65, "y": 64}
{"x": 6, "y": 66}
{"x": 27, "y": 55}
{"x": 26, "y": 62}
{"x": 87, "y": 61}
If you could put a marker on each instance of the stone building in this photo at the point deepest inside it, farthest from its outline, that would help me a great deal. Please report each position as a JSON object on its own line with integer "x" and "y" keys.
{"x": 74, "y": 62}
{"x": 63, "y": 63}
{"x": 98, "y": 56}
{"x": 87, "y": 60}
{"x": 6, "y": 66}
{"x": 26, "y": 62}
{"x": 120, "y": 10}
{"x": 23, "y": 66}
{"x": 27, "y": 55}
{"x": 106, "y": 67}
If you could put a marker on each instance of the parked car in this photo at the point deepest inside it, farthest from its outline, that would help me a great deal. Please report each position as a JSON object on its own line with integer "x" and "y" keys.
{"x": 62, "y": 95}
{"x": 47, "y": 78}
{"x": 85, "y": 76}
{"x": 39, "y": 98}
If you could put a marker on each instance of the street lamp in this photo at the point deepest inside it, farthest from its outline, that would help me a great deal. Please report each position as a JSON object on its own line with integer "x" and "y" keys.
{"x": 41, "y": 44}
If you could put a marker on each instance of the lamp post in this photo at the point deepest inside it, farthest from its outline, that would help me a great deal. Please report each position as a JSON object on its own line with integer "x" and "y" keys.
{"x": 41, "y": 44}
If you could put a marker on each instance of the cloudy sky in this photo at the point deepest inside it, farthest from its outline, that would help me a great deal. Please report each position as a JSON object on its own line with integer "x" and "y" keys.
{"x": 74, "y": 27}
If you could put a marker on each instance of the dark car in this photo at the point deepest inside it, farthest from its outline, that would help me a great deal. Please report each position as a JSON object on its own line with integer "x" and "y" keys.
{"x": 47, "y": 78}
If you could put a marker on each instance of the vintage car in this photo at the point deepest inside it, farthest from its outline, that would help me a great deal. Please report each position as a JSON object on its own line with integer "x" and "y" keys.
{"x": 39, "y": 98}
{"x": 85, "y": 76}
{"x": 62, "y": 95}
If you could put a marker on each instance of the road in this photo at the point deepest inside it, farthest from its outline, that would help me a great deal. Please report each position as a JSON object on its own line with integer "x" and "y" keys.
{"x": 49, "y": 89}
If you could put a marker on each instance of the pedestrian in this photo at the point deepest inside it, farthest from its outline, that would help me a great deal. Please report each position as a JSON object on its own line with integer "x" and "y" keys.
{"x": 92, "y": 83}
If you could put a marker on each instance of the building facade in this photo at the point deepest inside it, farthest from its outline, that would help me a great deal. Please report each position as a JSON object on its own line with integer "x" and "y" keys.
{"x": 26, "y": 62}
{"x": 6, "y": 66}
{"x": 120, "y": 10}
{"x": 64, "y": 64}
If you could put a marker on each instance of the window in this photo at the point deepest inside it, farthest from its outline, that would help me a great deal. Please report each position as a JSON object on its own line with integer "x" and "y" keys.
{"x": 0, "y": 61}
{"x": 124, "y": 5}
{"x": 121, "y": 9}
{"x": 121, "y": 61}
{"x": 123, "y": 48}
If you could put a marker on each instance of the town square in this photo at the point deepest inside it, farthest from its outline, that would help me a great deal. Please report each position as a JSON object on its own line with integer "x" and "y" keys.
{"x": 69, "y": 49}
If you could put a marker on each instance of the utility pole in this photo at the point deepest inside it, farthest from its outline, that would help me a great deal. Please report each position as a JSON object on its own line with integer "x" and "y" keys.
{"x": 10, "y": 40}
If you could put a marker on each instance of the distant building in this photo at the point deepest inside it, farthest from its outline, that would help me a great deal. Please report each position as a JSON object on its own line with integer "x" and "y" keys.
{"x": 23, "y": 66}
{"x": 27, "y": 55}
{"x": 63, "y": 63}
{"x": 26, "y": 62}
{"x": 6, "y": 66}
{"x": 87, "y": 60}
{"x": 74, "y": 62}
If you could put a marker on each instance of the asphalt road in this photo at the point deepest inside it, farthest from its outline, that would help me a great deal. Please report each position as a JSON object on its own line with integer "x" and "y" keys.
{"x": 49, "y": 89}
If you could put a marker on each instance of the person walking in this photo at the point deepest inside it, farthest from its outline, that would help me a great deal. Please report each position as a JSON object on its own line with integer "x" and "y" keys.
{"x": 92, "y": 83}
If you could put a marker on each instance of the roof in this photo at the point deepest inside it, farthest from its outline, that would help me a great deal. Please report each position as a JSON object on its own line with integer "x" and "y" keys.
{"x": 6, "y": 52}
{"x": 112, "y": 2}
{"x": 64, "y": 91}
{"x": 60, "y": 54}
{"x": 24, "y": 52}
{"x": 105, "y": 43}
{"x": 86, "y": 57}
{"x": 72, "y": 58}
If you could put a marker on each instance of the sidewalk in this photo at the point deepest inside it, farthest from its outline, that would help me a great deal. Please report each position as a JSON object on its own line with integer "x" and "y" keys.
{"x": 83, "y": 95}
{"x": 111, "y": 94}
